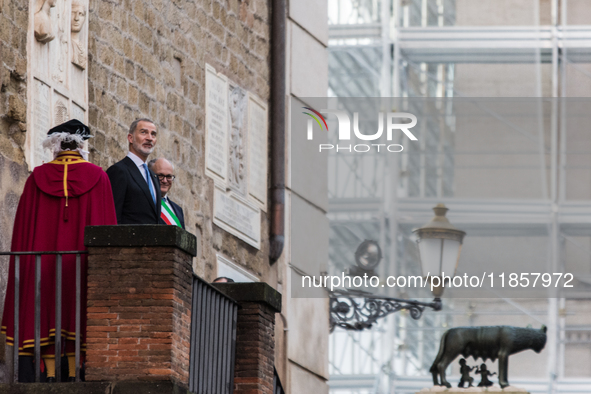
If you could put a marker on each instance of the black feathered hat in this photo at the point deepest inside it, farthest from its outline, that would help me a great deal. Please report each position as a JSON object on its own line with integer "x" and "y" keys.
{"x": 72, "y": 126}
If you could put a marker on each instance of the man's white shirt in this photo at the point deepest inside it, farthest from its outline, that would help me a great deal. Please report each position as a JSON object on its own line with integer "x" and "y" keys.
{"x": 140, "y": 164}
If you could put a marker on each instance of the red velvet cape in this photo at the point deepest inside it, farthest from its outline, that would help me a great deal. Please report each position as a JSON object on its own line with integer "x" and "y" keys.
{"x": 44, "y": 223}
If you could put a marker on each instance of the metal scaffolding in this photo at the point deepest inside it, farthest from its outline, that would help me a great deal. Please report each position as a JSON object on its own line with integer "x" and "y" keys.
{"x": 426, "y": 48}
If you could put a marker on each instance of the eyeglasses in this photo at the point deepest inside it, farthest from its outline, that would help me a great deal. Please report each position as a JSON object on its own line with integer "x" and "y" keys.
{"x": 169, "y": 178}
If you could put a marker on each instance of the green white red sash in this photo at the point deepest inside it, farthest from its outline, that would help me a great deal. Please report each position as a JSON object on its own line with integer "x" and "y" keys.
{"x": 168, "y": 215}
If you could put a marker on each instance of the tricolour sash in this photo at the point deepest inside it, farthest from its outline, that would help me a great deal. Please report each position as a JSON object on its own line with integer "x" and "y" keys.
{"x": 168, "y": 215}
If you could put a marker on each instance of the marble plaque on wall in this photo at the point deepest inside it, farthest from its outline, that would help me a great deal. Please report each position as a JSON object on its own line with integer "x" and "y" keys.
{"x": 236, "y": 156}
{"x": 57, "y": 48}
{"x": 216, "y": 125}
{"x": 257, "y": 155}
{"x": 237, "y": 218}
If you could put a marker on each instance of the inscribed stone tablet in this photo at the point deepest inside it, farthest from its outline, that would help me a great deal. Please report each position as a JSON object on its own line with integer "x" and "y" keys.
{"x": 237, "y": 218}
{"x": 41, "y": 120}
{"x": 257, "y": 157}
{"x": 216, "y": 125}
{"x": 78, "y": 113}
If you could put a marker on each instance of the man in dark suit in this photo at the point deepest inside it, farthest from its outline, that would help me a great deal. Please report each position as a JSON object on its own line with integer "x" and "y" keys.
{"x": 136, "y": 189}
{"x": 170, "y": 212}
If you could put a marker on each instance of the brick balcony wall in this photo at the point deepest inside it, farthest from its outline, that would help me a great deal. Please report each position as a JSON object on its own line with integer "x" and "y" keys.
{"x": 255, "y": 349}
{"x": 139, "y": 312}
{"x": 255, "y": 335}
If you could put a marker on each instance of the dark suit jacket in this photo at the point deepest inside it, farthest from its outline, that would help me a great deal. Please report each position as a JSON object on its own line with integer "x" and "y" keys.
{"x": 178, "y": 211}
{"x": 133, "y": 201}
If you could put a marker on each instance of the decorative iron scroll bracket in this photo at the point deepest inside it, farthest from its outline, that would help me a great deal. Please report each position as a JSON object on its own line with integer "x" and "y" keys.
{"x": 358, "y": 310}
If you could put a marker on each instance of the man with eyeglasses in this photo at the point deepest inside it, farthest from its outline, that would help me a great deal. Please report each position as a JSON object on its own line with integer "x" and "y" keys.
{"x": 170, "y": 212}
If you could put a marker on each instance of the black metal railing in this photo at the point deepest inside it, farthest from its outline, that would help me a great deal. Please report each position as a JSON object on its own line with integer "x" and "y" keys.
{"x": 277, "y": 387}
{"x": 58, "y": 310}
{"x": 213, "y": 340}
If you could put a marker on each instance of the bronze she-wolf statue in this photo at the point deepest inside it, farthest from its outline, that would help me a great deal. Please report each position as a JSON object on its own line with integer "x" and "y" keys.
{"x": 486, "y": 342}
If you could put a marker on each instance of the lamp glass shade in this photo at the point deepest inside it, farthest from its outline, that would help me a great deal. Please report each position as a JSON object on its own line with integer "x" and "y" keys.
{"x": 451, "y": 255}
{"x": 430, "y": 255}
{"x": 439, "y": 256}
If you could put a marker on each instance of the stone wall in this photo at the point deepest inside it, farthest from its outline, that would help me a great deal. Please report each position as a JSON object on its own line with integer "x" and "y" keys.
{"x": 147, "y": 59}
{"x": 13, "y": 66}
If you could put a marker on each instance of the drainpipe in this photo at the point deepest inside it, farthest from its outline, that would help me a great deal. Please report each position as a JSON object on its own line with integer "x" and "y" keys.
{"x": 277, "y": 211}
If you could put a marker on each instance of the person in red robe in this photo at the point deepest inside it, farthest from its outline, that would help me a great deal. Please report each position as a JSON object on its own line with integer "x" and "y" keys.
{"x": 60, "y": 199}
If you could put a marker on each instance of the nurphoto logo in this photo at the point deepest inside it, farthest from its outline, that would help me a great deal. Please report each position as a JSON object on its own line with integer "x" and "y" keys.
{"x": 392, "y": 120}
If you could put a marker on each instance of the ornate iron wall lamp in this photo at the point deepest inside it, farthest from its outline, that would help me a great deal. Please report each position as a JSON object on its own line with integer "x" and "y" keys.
{"x": 440, "y": 244}
{"x": 358, "y": 310}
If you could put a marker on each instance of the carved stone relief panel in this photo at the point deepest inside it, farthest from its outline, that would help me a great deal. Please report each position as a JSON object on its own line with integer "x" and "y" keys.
{"x": 60, "y": 109}
{"x": 237, "y": 101}
{"x": 57, "y": 47}
{"x": 42, "y": 19}
{"x": 79, "y": 55}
